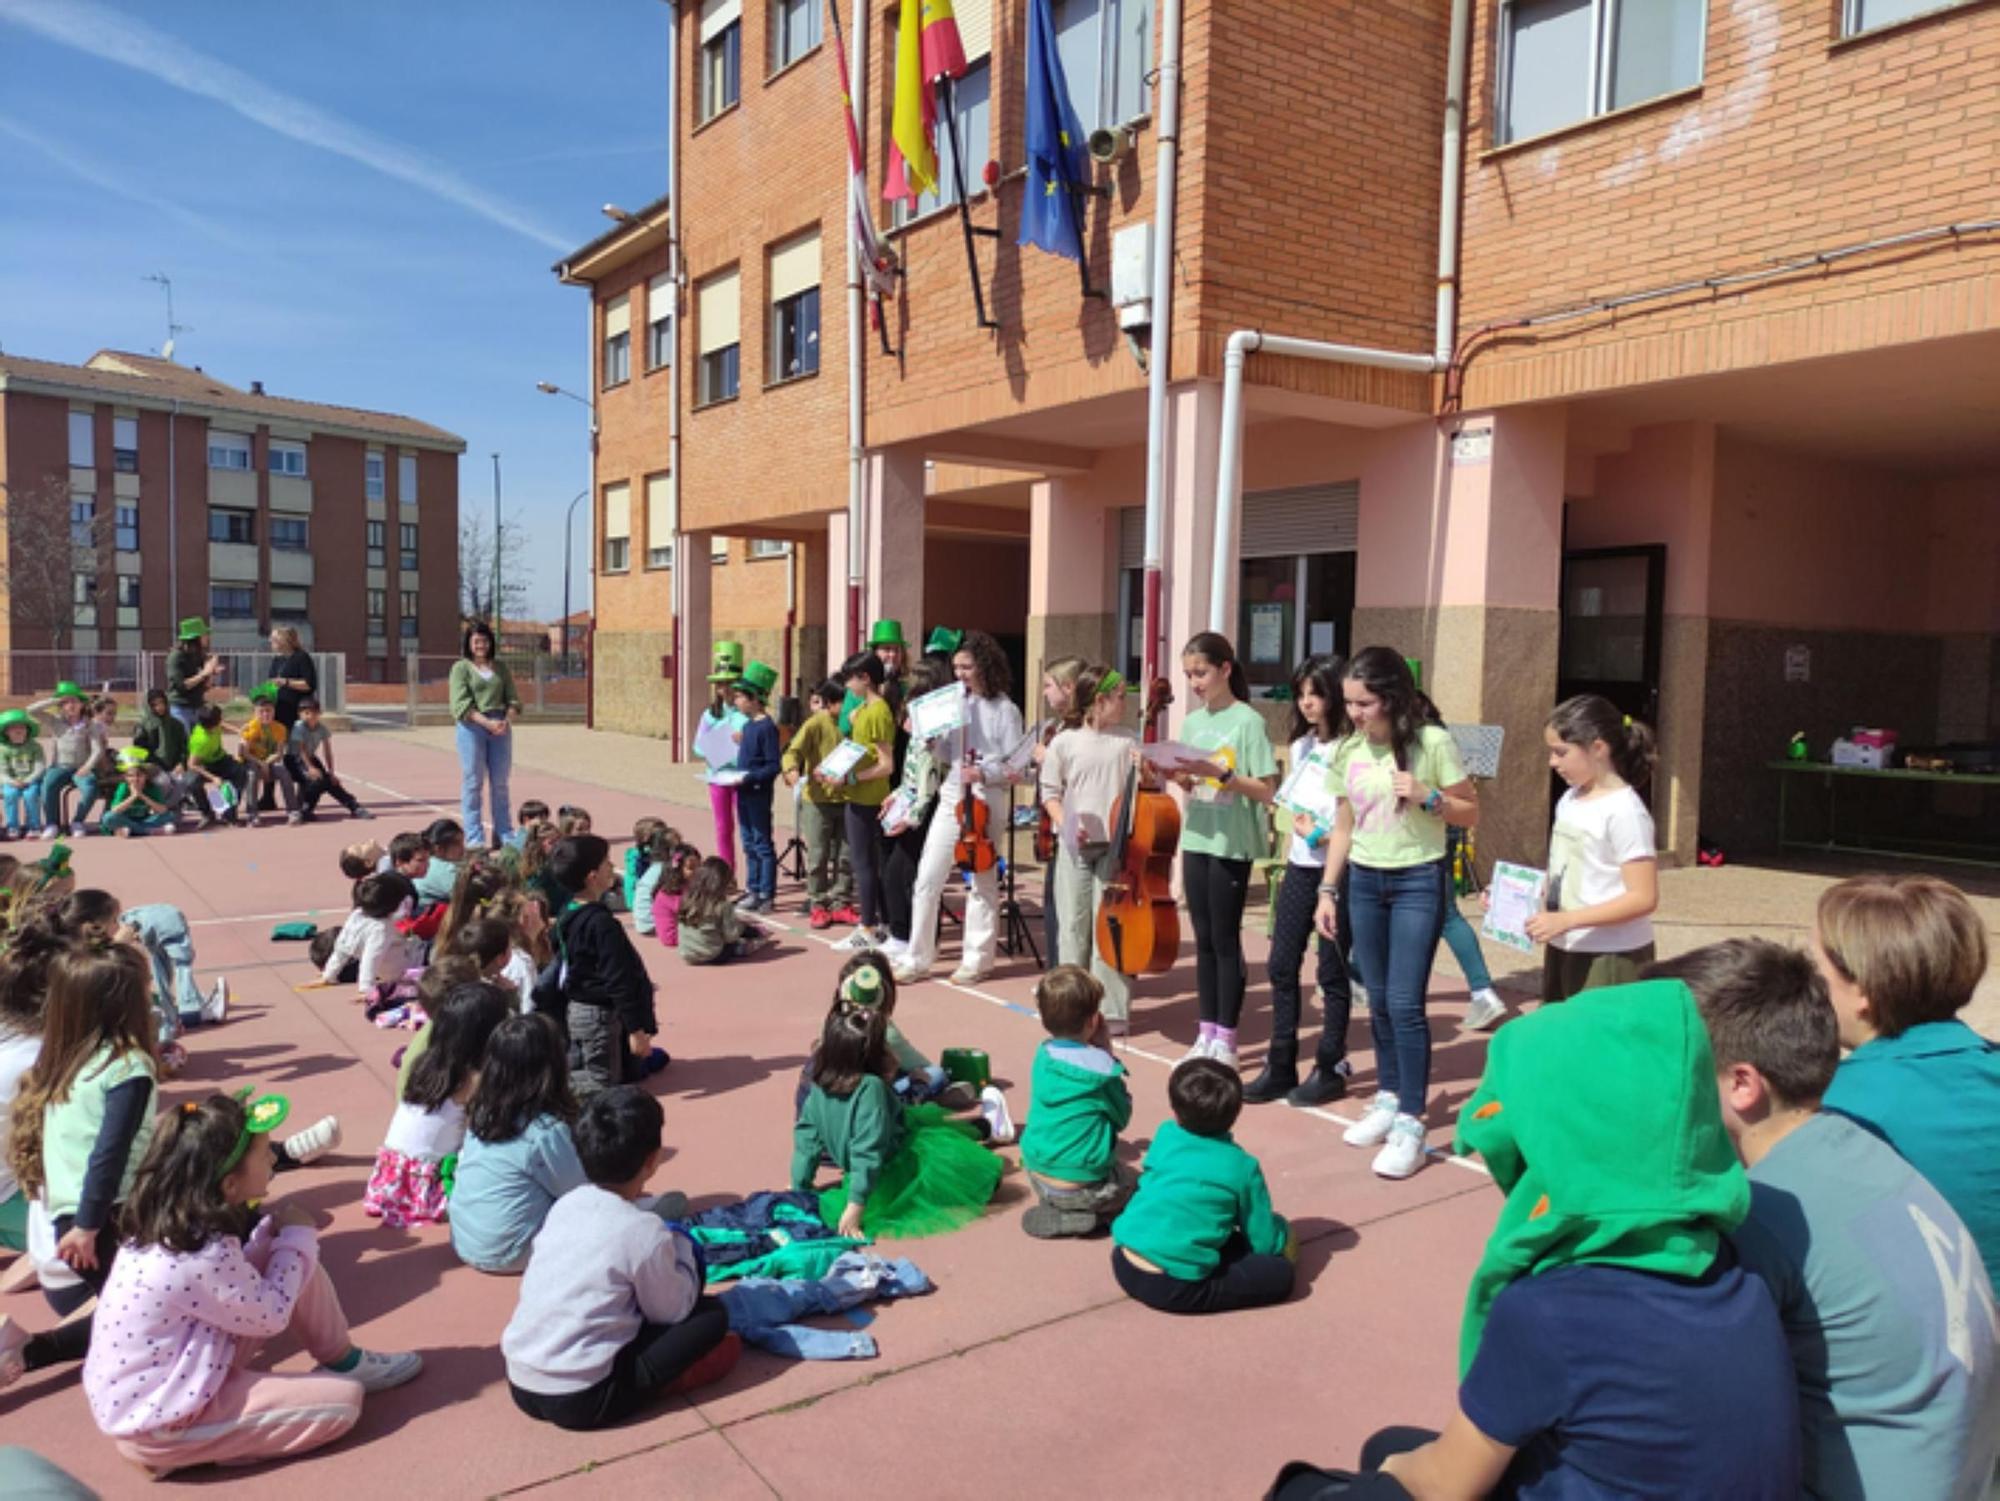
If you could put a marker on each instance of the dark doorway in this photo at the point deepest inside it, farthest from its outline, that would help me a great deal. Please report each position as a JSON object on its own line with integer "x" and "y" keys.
{"x": 1612, "y": 602}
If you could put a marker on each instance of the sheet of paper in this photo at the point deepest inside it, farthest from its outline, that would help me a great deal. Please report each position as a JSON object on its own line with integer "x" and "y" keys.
{"x": 1171, "y": 755}
{"x": 715, "y": 743}
{"x": 728, "y": 776}
{"x": 896, "y": 810}
{"x": 1514, "y": 896}
{"x": 937, "y": 713}
{"x": 842, "y": 759}
{"x": 1306, "y": 791}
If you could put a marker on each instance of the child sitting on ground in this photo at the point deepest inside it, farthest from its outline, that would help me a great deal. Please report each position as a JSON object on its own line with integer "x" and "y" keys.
{"x": 202, "y": 1277}
{"x": 220, "y": 779}
{"x": 638, "y": 857}
{"x": 410, "y": 858}
{"x": 531, "y": 812}
{"x": 864, "y": 980}
{"x": 658, "y": 853}
{"x": 612, "y": 1314}
{"x": 369, "y": 937}
{"x": 608, "y": 996}
{"x": 23, "y": 763}
{"x": 1079, "y": 1104}
{"x": 1874, "y": 1275}
{"x": 906, "y": 1171}
{"x": 445, "y": 842}
{"x": 680, "y": 868}
{"x": 262, "y": 745}
{"x": 413, "y": 1171}
{"x": 518, "y": 1157}
{"x": 1199, "y": 1235}
{"x": 712, "y": 928}
{"x": 365, "y": 857}
{"x": 141, "y": 802}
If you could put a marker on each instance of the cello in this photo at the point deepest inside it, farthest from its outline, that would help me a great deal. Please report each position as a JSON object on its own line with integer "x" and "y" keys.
{"x": 1138, "y": 925}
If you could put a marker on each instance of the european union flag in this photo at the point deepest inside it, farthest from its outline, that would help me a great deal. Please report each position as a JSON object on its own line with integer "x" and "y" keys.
{"x": 1058, "y": 163}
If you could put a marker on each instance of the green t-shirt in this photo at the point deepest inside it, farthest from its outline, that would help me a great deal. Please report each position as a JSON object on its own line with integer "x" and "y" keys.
{"x": 205, "y": 746}
{"x": 874, "y": 724}
{"x": 69, "y": 1130}
{"x": 1217, "y": 821}
{"x": 1195, "y": 1194}
{"x": 1389, "y": 835}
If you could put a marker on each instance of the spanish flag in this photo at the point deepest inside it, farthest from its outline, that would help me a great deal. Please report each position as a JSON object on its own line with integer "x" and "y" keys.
{"x": 943, "y": 52}
{"x": 913, "y": 166}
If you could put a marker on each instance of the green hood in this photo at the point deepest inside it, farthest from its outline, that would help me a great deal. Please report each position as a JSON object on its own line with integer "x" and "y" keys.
{"x": 1599, "y": 1120}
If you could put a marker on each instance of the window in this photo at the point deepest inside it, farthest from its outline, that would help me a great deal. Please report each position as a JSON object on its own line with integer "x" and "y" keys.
{"x": 718, "y": 551}
{"x": 659, "y": 521}
{"x": 84, "y": 594}
{"x": 794, "y": 30}
{"x": 971, "y": 115}
{"x": 407, "y": 615}
{"x": 127, "y": 539}
{"x": 378, "y": 609}
{"x": 289, "y": 533}
{"x": 1106, "y": 48}
{"x": 125, "y": 444}
{"x": 406, "y": 479}
{"x": 232, "y": 602}
{"x": 719, "y": 327}
{"x": 768, "y": 547}
{"x": 225, "y": 525}
{"x": 228, "y": 450}
{"x": 659, "y": 323}
{"x": 128, "y": 592}
{"x": 1869, "y": 15}
{"x": 378, "y": 535}
{"x": 377, "y": 476}
{"x": 617, "y": 528}
{"x": 794, "y": 287}
{"x": 1566, "y": 60}
{"x": 82, "y": 441}
{"x": 721, "y": 79}
{"x": 290, "y": 604}
{"x": 82, "y": 520}
{"x": 407, "y": 546}
{"x": 287, "y": 458}
{"x": 617, "y": 341}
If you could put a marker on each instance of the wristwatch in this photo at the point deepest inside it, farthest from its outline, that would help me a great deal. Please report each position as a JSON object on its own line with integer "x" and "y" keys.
{"x": 1434, "y": 802}
{"x": 1228, "y": 776}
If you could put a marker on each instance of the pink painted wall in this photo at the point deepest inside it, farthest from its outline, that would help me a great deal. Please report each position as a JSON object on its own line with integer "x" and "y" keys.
{"x": 1402, "y": 488}
{"x": 1658, "y": 490}
{"x": 1963, "y": 582}
{"x": 1070, "y": 536}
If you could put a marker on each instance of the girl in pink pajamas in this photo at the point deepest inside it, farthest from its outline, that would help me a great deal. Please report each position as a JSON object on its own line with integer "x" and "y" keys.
{"x": 202, "y": 1279}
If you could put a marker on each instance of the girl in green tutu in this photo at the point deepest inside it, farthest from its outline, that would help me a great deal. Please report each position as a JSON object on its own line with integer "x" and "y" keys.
{"x": 906, "y": 1171}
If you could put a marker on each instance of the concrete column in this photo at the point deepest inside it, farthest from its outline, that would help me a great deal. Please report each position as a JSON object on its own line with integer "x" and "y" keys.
{"x": 836, "y": 589}
{"x": 696, "y": 634}
{"x": 1194, "y": 429}
{"x": 1071, "y": 555}
{"x": 896, "y": 539}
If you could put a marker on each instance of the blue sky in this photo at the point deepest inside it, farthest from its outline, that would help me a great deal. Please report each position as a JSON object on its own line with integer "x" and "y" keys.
{"x": 357, "y": 202}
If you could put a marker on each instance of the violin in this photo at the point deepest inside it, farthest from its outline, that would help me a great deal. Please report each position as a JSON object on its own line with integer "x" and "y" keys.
{"x": 974, "y": 851}
{"x": 1045, "y": 826}
{"x": 1138, "y": 925}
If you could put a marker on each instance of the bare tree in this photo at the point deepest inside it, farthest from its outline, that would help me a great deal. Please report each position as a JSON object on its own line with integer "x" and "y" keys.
{"x": 476, "y": 599}
{"x": 50, "y": 571}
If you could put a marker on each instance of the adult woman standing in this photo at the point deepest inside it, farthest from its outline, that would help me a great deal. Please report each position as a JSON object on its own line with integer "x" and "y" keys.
{"x": 294, "y": 673}
{"x": 192, "y": 669}
{"x": 484, "y": 703}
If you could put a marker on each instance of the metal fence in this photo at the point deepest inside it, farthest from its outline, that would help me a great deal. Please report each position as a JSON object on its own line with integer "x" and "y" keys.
{"x": 29, "y": 675}
{"x": 424, "y": 696}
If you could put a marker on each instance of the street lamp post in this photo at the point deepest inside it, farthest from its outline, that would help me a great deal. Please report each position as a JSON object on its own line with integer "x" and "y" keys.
{"x": 569, "y": 527}
{"x": 550, "y": 388}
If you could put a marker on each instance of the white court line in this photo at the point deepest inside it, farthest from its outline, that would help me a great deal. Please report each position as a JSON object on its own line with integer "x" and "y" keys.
{"x": 404, "y": 797}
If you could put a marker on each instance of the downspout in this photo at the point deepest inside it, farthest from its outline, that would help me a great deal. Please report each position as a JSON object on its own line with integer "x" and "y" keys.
{"x": 677, "y": 575}
{"x": 1158, "y": 370}
{"x": 1247, "y": 341}
{"x": 857, "y": 347}
{"x": 173, "y": 528}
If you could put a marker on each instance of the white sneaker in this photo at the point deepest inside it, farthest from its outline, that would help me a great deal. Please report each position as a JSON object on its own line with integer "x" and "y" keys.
{"x": 13, "y": 1347}
{"x": 1486, "y": 1009}
{"x": 1222, "y": 1052}
{"x": 321, "y": 1137}
{"x": 905, "y": 973}
{"x": 896, "y": 948}
{"x": 1199, "y": 1050}
{"x": 172, "y": 828}
{"x": 377, "y": 1372}
{"x": 49, "y": 831}
{"x": 853, "y": 943}
{"x": 1373, "y": 1127}
{"x": 999, "y": 1124}
{"x": 1403, "y": 1153}
{"x": 78, "y": 831}
{"x": 966, "y": 975}
{"x": 216, "y": 1007}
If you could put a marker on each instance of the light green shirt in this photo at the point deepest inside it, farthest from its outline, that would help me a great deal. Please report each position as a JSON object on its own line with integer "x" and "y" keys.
{"x": 874, "y": 724}
{"x": 1217, "y": 821}
{"x": 1389, "y": 835}
{"x": 69, "y": 1130}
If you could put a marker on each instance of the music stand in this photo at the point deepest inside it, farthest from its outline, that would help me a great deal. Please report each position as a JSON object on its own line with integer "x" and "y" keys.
{"x": 792, "y": 858}
{"x": 1015, "y": 930}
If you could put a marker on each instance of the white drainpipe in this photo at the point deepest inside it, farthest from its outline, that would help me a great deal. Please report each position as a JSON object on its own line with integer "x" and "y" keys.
{"x": 1167, "y": 114}
{"x": 857, "y": 347}
{"x": 1246, "y": 341}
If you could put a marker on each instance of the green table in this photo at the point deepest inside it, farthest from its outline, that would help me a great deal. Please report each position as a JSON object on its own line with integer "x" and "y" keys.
{"x": 1970, "y": 853}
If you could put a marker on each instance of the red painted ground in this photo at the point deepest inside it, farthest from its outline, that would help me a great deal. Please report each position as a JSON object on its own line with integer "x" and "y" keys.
{"x": 1025, "y": 1374}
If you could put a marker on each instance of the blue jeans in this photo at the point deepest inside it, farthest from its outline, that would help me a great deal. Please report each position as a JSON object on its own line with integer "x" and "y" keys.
{"x": 22, "y": 804}
{"x": 760, "y": 850}
{"x": 1396, "y": 916}
{"x": 58, "y": 778}
{"x": 484, "y": 760}
{"x": 185, "y": 715}
{"x": 765, "y": 1311}
{"x": 170, "y": 946}
{"x": 1464, "y": 945}
{"x": 140, "y": 824}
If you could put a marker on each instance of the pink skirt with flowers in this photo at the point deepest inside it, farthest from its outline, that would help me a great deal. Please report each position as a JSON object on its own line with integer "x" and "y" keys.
{"x": 406, "y": 1190}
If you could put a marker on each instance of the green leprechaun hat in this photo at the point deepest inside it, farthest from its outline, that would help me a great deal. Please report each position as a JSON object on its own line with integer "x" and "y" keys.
{"x": 264, "y": 693}
{"x": 757, "y": 681}
{"x": 131, "y": 756}
{"x": 193, "y": 628}
{"x": 21, "y": 717}
{"x": 943, "y": 641}
{"x": 728, "y": 662}
{"x": 67, "y": 689}
{"x": 887, "y": 633}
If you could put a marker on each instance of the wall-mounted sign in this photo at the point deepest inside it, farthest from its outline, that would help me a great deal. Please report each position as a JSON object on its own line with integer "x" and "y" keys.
{"x": 1472, "y": 445}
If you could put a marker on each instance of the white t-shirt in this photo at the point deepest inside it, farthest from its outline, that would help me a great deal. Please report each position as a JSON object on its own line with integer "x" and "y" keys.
{"x": 18, "y": 1052}
{"x": 1592, "y": 838}
{"x": 1305, "y": 855}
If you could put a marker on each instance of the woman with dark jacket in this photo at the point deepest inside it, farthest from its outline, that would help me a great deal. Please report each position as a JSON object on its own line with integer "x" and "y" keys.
{"x": 293, "y": 670}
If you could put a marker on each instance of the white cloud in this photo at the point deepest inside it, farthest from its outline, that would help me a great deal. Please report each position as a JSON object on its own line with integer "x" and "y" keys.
{"x": 106, "y": 180}
{"x": 96, "y": 29}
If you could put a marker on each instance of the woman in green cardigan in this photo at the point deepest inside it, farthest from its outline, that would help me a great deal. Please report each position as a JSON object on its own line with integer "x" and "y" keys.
{"x": 484, "y": 703}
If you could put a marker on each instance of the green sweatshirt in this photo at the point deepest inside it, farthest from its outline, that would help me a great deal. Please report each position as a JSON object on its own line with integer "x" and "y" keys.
{"x": 1194, "y": 1193}
{"x": 165, "y": 739}
{"x": 810, "y": 744}
{"x": 1600, "y": 1122}
{"x": 1078, "y": 1105}
{"x": 860, "y": 1133}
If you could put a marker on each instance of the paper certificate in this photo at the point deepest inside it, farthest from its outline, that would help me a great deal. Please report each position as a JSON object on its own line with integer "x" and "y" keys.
{"x": 896, "y": 811}
{"x": 841, "y": 761}
{"x": 1170, "y": 755}
{"x": 1306, "y": 791}
{"x": 937, "y": 713}
{"x": 715, "y": 743}
{"x": 1513, "y": 898}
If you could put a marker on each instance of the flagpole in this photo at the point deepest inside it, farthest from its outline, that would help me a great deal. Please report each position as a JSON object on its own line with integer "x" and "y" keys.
{"x": 964, "y": 208}
{"x": 857, "y": 345}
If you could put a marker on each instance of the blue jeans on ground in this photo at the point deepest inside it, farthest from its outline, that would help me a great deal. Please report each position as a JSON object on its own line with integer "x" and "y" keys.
{"x": 140, "y": 826}
{"x": 760, "y": 850}
{"x": 1464, "y": 945}
{"x": 765, "y": 1310}
{"x": 59, "y": 777}
{"x": 23, "y": 806}
{"x": 1396, "y": 916}
{"x": 484, "y": 760}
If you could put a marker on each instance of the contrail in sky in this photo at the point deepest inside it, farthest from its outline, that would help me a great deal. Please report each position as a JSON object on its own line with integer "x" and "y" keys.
{"x": 101, "y": 177}
{"x": 114, "y": 36}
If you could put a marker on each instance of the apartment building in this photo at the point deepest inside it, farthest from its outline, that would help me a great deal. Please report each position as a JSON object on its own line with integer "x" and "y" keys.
{"x": 188, "y": 496}
{"x": 1662, "y": 360}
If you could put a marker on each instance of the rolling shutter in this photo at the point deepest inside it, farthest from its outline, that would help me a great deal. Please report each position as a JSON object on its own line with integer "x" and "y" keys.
{"x": 795, "y": 267}
{"x": 975, "y": 27}
{"x": 617, "y": 317}
{"x": 717, "y": 16}
{"x": 659, "y": 512}
{"x": 617, "y": 511}
{"x": 1132, "y": 537}
{"x": 716, "y": 311}
{"x": 1308, "y": 519}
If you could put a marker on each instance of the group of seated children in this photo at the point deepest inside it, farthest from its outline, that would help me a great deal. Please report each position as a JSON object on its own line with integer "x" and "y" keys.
{"x": 167, "y": 769}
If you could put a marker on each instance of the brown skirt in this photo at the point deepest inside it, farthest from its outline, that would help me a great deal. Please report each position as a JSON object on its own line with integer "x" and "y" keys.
{"x": 1564, "y": 973}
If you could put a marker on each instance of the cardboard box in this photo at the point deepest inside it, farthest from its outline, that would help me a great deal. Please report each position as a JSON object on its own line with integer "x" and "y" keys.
{"x": 1875, "y": 757}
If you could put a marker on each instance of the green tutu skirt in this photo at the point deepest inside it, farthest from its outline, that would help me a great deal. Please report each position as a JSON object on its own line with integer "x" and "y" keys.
{"x": 940, "y": 1179}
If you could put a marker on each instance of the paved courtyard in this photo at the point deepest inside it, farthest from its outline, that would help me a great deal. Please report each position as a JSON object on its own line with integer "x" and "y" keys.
{"x": 1024, "y": 1374}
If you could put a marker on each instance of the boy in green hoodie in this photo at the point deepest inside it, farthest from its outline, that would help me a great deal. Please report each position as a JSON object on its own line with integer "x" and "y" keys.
{"x": 165, "y": 740}
{"x": 1079, "y": 1105}
{"x": 1611, "y": 1344}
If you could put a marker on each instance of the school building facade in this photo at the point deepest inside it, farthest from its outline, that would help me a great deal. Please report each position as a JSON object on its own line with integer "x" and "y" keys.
{"x": 1715, "y": 428}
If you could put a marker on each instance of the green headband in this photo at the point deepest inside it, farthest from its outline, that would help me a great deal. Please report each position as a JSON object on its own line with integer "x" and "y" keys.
{"x": 864, "y": 987}
{"x": 55, "y": 864}
{"x": 1113, "y": 682}
{"x": 261, "y": 1116}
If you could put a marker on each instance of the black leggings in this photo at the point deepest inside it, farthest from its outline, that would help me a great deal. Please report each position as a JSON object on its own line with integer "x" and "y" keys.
{"x": 1242, "y": 1280}
{"x": 864, "y": 852}
{"x": 899, "y": 876}
{"x": 655, "y": 1358}
{"x": 1216, "y": 890}
{"x": 1292, "y": 930}
{"x": 68, "y": 1343}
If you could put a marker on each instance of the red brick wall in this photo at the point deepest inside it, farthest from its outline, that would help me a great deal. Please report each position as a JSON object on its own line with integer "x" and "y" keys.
{"x": 340, "y": 549}
{"x": 437, "y": 552}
